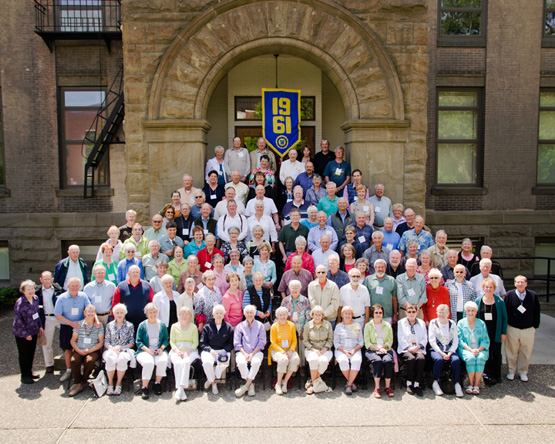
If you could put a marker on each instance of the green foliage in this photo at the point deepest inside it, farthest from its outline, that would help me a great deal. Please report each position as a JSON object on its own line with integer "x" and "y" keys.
{"x": 8, "y": 296}
{"x": 546, "y": 164}
{"x": 460, "y": 23}
{"x": 307, "y": 109}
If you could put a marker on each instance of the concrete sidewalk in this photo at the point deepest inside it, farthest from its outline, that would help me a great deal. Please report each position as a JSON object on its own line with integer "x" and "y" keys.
{"x": 511, "y": 412}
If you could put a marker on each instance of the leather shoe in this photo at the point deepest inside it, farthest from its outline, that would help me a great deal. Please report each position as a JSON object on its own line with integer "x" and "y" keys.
{"x": 75, "y": 389}
{"x": 418, "y": 391}
{"x": 35, "y": 376}
{"x": 50, "y": 369}
{"x": 27, "y": 380}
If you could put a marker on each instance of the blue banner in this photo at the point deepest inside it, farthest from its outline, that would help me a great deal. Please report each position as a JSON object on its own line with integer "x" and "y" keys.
{"x": 281, "y": 118}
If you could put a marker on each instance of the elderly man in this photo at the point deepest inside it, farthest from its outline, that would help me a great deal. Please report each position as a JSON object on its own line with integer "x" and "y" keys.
{"x": 485, "y": 272}
{"x": 200, "y": 200}
{"x": 323, "y": 157}
{"x": 448, "y": 270}
{"x": 334, "y": 273}
{"x": 460, "y": 292}
{"x": 324, "y": 293}
{"x": 438, "y": 252}
{"x": 232, "y": 219}
{"x": 135, "y": 293}
{"x": 423, "y": 237}
{"x": 48, "y": 293}
{"x": 322, "y": 229}
{"x": 206, "y": 221}
{"x": 139, "y": 241}
{"x": 237, "y": 159}
{"x": 185, "y": 223}
{"x": 338, "y": 170}
{"x": 157, "y": 231}
{"x": 100, "y": 293}
{"x": 376, "y": 251}
{"x": 356, "y": 296}
{"x": 221, "y": 208}
{"x": 289, "y": 233}
{"x": 127, "y": 262}
{"x": 170, "y": 240}
{"x": 328, "y": 204}
{"x": 71, "y": 266}
{"x": 188, "y": 190}
{"x": 150, "y": 259}
{"x": 298, "y": 273}
{"x": 341, "y": 218}
{"x": 69, "y": 312}
{"x": 411, "y": 288}
{"x": 262, "y": 151}
{"x": 125, "y": 230}
{"x": 206, "y": 255}
{"x": 304, "y": 180}
{"x": 297, "y": 203}
{"x": 390, "y": 237}
{"x": 394, "y": 267}
{"x": 523, "y": 312}
{"x": 241, "y": 190}
{"x": 383, "y": 291}
{"x": 382, "y": 206}
{"x": 486, "y": 253}
{"x": 363, "y": 231}
{"x": 408, "y": 224}
{"x": 270, "y": 208}
{"x": 193, "y": 272}
{"x": 322, "y": 254}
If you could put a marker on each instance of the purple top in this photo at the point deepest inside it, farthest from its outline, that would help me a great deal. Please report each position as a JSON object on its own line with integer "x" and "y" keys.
{"x": 249, "y": 338}
{"x": 26, "y": 321}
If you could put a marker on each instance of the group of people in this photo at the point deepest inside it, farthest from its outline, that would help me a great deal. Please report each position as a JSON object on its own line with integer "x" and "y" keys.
{"x": 356, "y": 275}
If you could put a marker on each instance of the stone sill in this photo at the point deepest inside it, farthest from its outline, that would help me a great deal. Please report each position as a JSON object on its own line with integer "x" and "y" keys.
{"x": 544, "y": 190}
{"x": 458, "y": 191}
{"x": 78, "y": 192}
{"x": 463, "y": 42}
{"x": 4, "y": 191}
{"x": 548, "y": 42}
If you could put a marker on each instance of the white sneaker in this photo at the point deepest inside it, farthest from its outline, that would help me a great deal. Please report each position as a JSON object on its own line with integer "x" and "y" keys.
{"x": 183, "y": 394}
{"x": 177, "y": 395}
{"x": 458, "y": 391}
{"x": 510, "y": 376}
{"x": 284, "y": 387}
{"x": 437, "y": 389}
{"x": 110, "y": 390}
{"x": 251, "y": 391}
{"x": 279, "y": 391}
{"x": 207, "y": 385}
{"x": 241, "y": 390}
{"x": 65, "y": 376}
{"x": 215, "y": 389}
{"x": 523, "y": 377}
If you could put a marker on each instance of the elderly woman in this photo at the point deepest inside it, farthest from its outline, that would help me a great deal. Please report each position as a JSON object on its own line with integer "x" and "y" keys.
{"x": 178, "y": 264}
{"x": 291, "y": 167}
{"x": 118, "y": 343}
{"x": 283, "y": 343}
{"x": 113, "y": 241}
{"x": 26, "y": 327}
{"x": 350, "y": 238}
{"x": 234, "y": 263}
{"x": 259, "y": 295}
{"x": 183, "y": 343}
{"x": 317, "y": 340}
{"x": 412, "y": 251}
{"x": 378, "y": 339}
{"x": 257, "y": 239}
{"x": 246, "y": 277}
{"x": 316, "y": 192}
{"x": 444, "y": 341}
{"x": 364, "y": 266}
{"x": 207, "y": 298}
{"x": 193, "y": 272}
{"x": 232, "y": 300}
{"x": 426, "y": 266}
{"x": 152, "y": 343}
{"x": 217, "y": 164}
{"x": 412, "y": 338}
{"x": 234, "y": 244}
{"x": 473, "y": 346}
{"x": 398, "y": 218}
{"x": 188, "y": 297}
{"x": 265, "y": 265}
{"x": 466, "y": 256}
{"x": 298, "y": 311}
{"x": 492, "y": 310}
{"x": 308, "y": 261}
{"x": 220, "y": 272}
{"x": 312, "y": 212}
{"x": 168, "y": 214}
{"x": 166, "y": 301}
{"x": 362, "y": 204}
{"x": 213, "y": 190}
{"x": 176, "y": 203}
{"x": 249, "y": 341}
{"x": 437, "y": 294}
{"x": 197, "y": 242}
{"x": 106, "y": 261}
{"x": 259, "y": 178}
{"x": 348, "y": 342}
{"x": 87, "y": 341}
{"x": 329, "y": 203}
{"x": 216, "y": 342}
{"x": 162, "y": 269}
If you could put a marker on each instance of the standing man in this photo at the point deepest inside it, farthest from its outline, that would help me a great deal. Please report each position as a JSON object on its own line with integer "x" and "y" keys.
{"x": 448, "y": 270}
{"x": 125, "y": 231}
{"x": 289, "y": 233}
{"x": 382, "y": 206}
{"x": 408, "y": 224}
{"x": 48, "y": 293}
{"x": 485, "y": 272}
{"x": 411, "y": 288}
{"x": 424, "y": 238}
{"x": 376, "y": 251}
{"x": 322, "y": 229}
{"x": 188, "y": 190}
{"x": 207, "y": 222}
{"x": 241, "y": 190}
{"x": 324, "y": 157}
{"x": 390, "y": 237}
{"x": 297, "y": 273}
{"x": 150, "y": 259}
{"x": 261, "y": 151}
{"x": 355, "y": 295}
{"x": 394, "y": 267}
{"x": 305, "y": 179}
{"x": 230, "y": 193}
{"x": 338, "y": 170}
{"x": 334, "y": 273}
{"x": 157, "y": 231}
{"x": 232, "y": 219}
{"x": 438, "y": 252}
{"x": 100, "y": 292}
{"x": 237, "y": 158}
{"x": 139, "y": 241}
{"x": 523, "y": 311}
{"x": 460, "y": 292}
{"x": 341, "y": 219}
{"x": 135, "y": 294}
{"x": 324, "y": 293}
{"x": 71, "y": 266}
{"x": 383, "y": 291}
{"x": 170, "y": 240}
{"x": 363, "y": 231}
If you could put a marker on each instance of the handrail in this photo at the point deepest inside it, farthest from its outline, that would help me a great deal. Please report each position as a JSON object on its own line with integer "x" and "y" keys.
{"x": 548, "y": 278}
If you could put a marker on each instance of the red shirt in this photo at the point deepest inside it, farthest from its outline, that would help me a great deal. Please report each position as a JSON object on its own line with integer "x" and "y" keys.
{"x": 435, "y": 298}
{"x": 205, "y": 258}
{"x": 308, "y": 262}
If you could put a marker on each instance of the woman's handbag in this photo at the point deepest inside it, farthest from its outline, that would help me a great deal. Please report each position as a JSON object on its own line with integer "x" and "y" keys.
{"x": 100, "y": 384}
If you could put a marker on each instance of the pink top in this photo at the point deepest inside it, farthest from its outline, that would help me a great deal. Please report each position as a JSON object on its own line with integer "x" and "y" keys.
{"x": 233, "y": 308}
{"x": 220, "y": 281}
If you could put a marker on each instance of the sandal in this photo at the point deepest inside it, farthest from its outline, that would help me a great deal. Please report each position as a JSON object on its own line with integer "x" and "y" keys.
{"x": 389, "y": 392}
{"x": 377, "y": 393}
{"x": 469, "y": 389}
{"x": 355, "y": 388}
{"x": 349, "y": 390}
{"x": 476, "y": 390}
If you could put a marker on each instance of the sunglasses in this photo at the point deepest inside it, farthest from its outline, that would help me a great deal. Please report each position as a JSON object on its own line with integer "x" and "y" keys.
{"x": 321, "y": 272}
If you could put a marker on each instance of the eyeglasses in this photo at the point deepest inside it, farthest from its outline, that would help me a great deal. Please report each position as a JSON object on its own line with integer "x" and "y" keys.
{"x": 378, "y": 312}
{"x": 156, "y": 221}
{"x": 321, "y": 272}
{"x": 435, "y": 278}
{"x": 411, "y": 311}
{"x": 459, "y": 272}
{"x": 198, "y": 197}
{"x": 356, "y": 276}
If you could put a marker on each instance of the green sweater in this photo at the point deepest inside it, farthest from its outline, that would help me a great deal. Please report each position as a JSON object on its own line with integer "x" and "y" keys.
{"x": 371, "y": 334}
{"x": 142, "y": 336}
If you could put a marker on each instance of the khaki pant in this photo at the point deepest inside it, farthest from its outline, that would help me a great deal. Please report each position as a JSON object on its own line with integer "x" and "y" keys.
{"x": 518, "y": 348}
{"x": 284, "y": 364}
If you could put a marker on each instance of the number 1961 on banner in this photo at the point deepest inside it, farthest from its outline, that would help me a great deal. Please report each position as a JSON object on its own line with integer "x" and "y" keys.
{"x": 281, "y": 110}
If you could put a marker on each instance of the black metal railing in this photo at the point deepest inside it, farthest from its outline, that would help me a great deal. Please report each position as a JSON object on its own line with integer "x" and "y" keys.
{"x": 539, "y": 282}
{"x": 78, "y": 16}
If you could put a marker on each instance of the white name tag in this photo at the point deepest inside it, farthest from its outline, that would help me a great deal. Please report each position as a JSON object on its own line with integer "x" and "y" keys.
{"x": 488, "y": 316}
{"x": 221, "y": 173}
{"x": 35, "y": 316}
{"x": 241, "y": 154}
{"x": 205, "y": 232}
{"x": 379, "y": 290}
{"x": 138, "y": 254}
{"x": 338, "y": 171}
{"x": 289, "y": 200}
{"x": 380, "y": 341}
{"x": 411, "y": 292}
{"x": 213, "y": 196}
{"x": 295, "y": 316}
{"x": 208, "y": 265}
{"x": 521, "y": 309}
{"x": 285, "y": 343}
{"x": 74, "y": 311}
{"x": 412, "y": 339}
{"x": 361, "y": 239}
{"x": 377, "y": 210}
{"x": 86, "y": 340}
{"x": 200, "y": 286}
{"x": 185, "y": 232}
{"x": 97, "y": 299}
{"x": 365, "y": 208}
{"x": 112, "y": 277}
{"x": 389, "y": 247}
{"x": 328, "y": 232}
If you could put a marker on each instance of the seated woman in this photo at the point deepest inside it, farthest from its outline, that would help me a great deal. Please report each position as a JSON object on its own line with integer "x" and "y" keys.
{"x": 183, "y": 343}
{"x": 317, "y": 340}
{"x": 283, "y": 343}
{"x": 166, "y": 301}
{"x": 232, "y": 300}
{"x": 188, "y": 297}
{"x": 152, "y": 343}
{"x": 234, "y": 263}
{"x": 87, "y": 341}
{"x": 474, "y": 346}
{"x": 220, "y": 273}
{"x": 265, "y": 265}
{"x": 207, "y": 298}
{"x": 259, "y": 296}
{"x": 378, "y": 339}
{"x": 246, "y": 277}
{"x": 412, "y": 337}
{"x": 249, "y": 341}
{"x": 216, "y": 342}
{"x": 348, "y": 342}
{"x": 113, "y": 241}
{"x": 156, "y": 281}
{"x": 348, "y": 258}
{"x": 119, "y": 341}
{"x": 110, "y": 265}
{"x": 444, "y": 341}
{"x": 437, "y": 294}
{"x": 308, "y": 261}
{"x": 234, "y": 244}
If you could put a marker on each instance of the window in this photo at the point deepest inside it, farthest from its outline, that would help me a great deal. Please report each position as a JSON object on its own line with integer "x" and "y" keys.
{"x": 78, "y": 110}
{"x": 250, "y": 108}
{"x": 549, "y": 24}
{"x": 461, "y": 22}
{"x": 4, "y": 261}
{"x": 545, "y": 247}
{"x": 459, "y": 137}
{"x": 546, "y": 138}
{"x": 1, "y": 144}
{"x": 81, "y": 16}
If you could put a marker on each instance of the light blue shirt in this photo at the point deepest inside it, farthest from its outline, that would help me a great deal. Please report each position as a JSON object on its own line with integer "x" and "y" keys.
{"x": 100, "y": 295}
{"x": 152, "y": 234}
{"x": 391, "y": 240}
{"x": 72, "y": 307}
{"x": 425, "y": 240}
{"x": 382, "y": 209}
{"x": 321, "y": 258}
{"x": 316, "y": 233}
{"x": 123, "y": 268}
{"x": 167, "y": 244}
